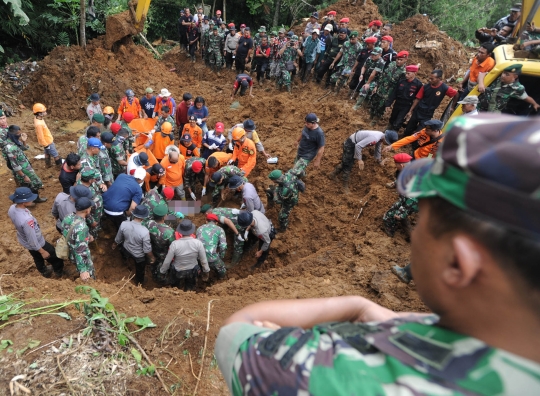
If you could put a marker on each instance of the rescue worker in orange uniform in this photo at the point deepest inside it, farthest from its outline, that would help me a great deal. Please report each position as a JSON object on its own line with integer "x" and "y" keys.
{"x": 425, "y": 142}
{"x": 162, "y": 139}
{"x": 44, "y": 135}
{"x": 130, "y": 103}
{"x": 174, "y": 164}
{"x": 244, "y": 153}
{"x": 214, "y": 163}
{"x": 194, "y": 131}
{"x": 188, "y": 148}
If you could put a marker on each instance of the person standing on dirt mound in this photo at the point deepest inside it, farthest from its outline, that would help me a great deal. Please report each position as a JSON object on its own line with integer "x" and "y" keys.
{"x": 372, "y": 69}
{"x": 244, "y": 152}
{"x": 428, "y": 99}
{"x": 249, "y": 127}
{"x": 344, "y": 62}
{"x": 93, "y": 107}
{"x": 130, "y": 104}
{"x": 183, "y": 24}
{"x": 116, "y": 151}
{"x": 352, "y": 150}
{"x": 64, "y": 204}
{"x": 214, "y": 141}
{"x": 264, "y": 231}
{"x": 231, "y": 42}
{"x": 163, "y": 137}
{"x": 183, "y": 255}
{"x": 243, "y": 51}
{"x": 29, "y": 233}
{"x": 200, "y": 111}
{"x": 148, "y": 103}
{"x": 194, "y": 132}
{"x": 161, "y": 236}
{"x": 330, "y": 53}
{"x": 215, "y": 244}
{"x": 285, "y": 192}
{"x": 372, "y": 30}
{"x": 310, "y": 144}
{"x": 44, "y": 135}
{"x": 187, "y": 148}
{"x": 70, "y": 170}
{"x": 182, "y": 112}
{"x": 402, "y": 97}
{"x": 90, "y": 160}
{"x": 474, "y": 259}
{"x": 165, "y": 99}
{"x": 215, "y": 49}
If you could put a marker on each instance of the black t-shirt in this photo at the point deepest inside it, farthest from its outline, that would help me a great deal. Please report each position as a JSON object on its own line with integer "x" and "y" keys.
{"x": 311, "y": 142}
{"x": 67, "y": 179}
{"x": 244, "y": 45}
{"x": 185, "y": 18}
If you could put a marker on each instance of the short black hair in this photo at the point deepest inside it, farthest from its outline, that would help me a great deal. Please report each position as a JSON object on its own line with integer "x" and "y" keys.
{"x": 123, "y": 132}
{"x": 200, "y": 99}
{"x": 13, "y": 128}
{"x": 92, "y": 131}
{"x": 158, "y": 218}
{"x": 515, "y": 253}
{"x": 166, "y": 109}
{"x": 213, "y": 162}
{"x": 488, "y": 47}
{"x": 107, "y": 122}
{"x": 437, "y": 72}
{"x": 72, "y": 159}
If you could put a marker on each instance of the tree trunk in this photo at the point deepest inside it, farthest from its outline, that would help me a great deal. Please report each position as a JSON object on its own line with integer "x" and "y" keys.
{"x": 213, "y": 10}
{"x": 82, "y": 25}
{"x": 276, "y": 13}
{"x": 225, "y": 10}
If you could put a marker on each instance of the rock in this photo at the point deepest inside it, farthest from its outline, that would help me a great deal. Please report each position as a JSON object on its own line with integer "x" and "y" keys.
{"x": 381, "y": 281}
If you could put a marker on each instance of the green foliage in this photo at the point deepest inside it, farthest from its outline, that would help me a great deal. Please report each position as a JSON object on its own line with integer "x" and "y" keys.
{"x": 18, "y": 13}
{"x": 65, "y": 14}
{"x": 62, "y": 39}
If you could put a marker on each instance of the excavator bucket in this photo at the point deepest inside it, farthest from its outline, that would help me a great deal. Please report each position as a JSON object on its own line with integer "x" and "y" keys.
{"x": 121, "y": 27}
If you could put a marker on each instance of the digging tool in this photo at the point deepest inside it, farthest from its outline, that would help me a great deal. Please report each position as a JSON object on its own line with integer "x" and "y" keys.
{"x": 362, "y": 208}
{"x": 324, "y": 96}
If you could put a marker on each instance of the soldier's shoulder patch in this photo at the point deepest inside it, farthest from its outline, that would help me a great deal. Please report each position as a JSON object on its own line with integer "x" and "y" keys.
{"x": 31, "y": 223}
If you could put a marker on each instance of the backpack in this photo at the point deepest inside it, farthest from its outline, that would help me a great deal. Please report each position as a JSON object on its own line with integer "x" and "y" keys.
{"x": 62, "y": 249}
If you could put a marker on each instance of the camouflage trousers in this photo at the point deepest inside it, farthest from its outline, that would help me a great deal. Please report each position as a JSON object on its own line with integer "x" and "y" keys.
{"x": 377, "y": 105}
{"x": 347, "y": 160}
{"x": 274, "y": 69}
{"x": 215, "y": 58}
{"x": 283, "y": 76}
{"x": 300, "y": 164}
{"x": 338, "y": 78}
{"x": 95, "y": 215}
{"x": 219, "y": 266}
{"x": 402, "y": 208}
{"x": 35, "y": 182}
{"x": 238, "y": 247}
{"x": 286, "y": 208}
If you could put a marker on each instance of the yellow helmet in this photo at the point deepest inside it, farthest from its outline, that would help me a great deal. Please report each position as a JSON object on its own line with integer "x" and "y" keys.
{"x": 238, "y": 133}
{"x": 39, "y": 108}
{"x": 108, "y": 110}
{"x": 166, "y": 127}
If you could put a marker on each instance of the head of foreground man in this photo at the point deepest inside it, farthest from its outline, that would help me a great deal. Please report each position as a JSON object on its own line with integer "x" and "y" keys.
{"x": 476, "y": 263}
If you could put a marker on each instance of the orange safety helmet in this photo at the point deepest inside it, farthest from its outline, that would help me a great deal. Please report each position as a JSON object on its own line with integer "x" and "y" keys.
{"x": 39, "y": 108}
{"x": 108, "y": 110}
{"x": 238, "y": 133}
{"x": 166, "y": 127}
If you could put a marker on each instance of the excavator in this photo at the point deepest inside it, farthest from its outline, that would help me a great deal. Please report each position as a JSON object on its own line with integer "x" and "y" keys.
{"x": 121, "y": 27}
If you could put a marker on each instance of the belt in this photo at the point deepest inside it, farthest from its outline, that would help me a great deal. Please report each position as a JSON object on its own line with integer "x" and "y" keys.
{"x": 113, "y": 213}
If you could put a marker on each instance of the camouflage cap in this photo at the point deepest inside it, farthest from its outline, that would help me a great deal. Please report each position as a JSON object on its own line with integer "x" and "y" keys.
{"x": 273, "y": 33}
{"x": 262, "y": 29}
{"x": 89, "y": 173}
{"x": 488, "y": 165}
{"x": 282, "y": 30}
{"x": 376, "y": 51}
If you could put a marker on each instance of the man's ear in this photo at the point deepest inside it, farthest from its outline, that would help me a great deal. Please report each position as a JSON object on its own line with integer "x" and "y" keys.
{"x": 465, "y": 263}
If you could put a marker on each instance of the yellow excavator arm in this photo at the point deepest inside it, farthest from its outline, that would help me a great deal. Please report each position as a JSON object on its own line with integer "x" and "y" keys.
{"x": 141, "y": 12}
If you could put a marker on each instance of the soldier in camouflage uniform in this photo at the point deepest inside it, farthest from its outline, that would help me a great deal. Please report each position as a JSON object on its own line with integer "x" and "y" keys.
{"x": 220, "y": 181}
{"x": 161, "y": 236}
{"x": 105, "y": 165}
{"x": 88, "y": 179}
{"x": 474, "y": 263}
{"x": 289, "y": 53}
{"x": 215, "y": 49}
{"x": 257, "y": 41}
{"x": 127, "y": 117}
{"x": 90, "y": 161}
{"x": 16, "y": 160}
{"x": 229, "y": 217}
{"x": 374, "y": 64}
{"x": 399, "y": 212}
{"x": 275, "y": 47}
{"x": 285, "y": 192}
{"x": 153, "y": 198}
{"x": 344, "y": 62}
{"x": 193, "y": 171}
{"x": 117, "y": 153}
{"x": 215, "y": 243}
{"x": 165, "y": 116}
{"x": 204, "y": 43}
{"x": 76, "y": 232}
{"x": 505, "y": 87}
{"x": 387, "y": 83}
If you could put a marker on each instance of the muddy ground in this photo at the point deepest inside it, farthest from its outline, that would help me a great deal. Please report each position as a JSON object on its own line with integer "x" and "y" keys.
{"x": 325, "y": 252}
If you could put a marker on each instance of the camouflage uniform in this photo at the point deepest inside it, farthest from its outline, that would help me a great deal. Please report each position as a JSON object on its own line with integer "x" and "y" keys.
{"x": 387, "y": 82}
{"x": 285, "y": 194}
{"x": 162, "y": 120}
{"x": 403, "y": 356}
{"x": 403, "y": 208}
{"x": 232, "y": 215}
{"x": 82, "y": 144}
{"x": 204, "y": 44}
{"x": 213, "y": 238}
{"x": 105, "y": 166}
{"x": 97, "y": 211}
{"x": 349, "y": 52}
{"x": 76, "y": 232}
{"x": 284, "y": 77}
{"x": 497, "y": 95}
{"x": 117, "y": 153}
{"x": 190, "y": 177}
{"x": 300, "y": 165}
{"x": 215, "y": 50}
{"x": 275, "y": 47}
{"x": 130, "y": 139}
{"x": 370, "y": 66}
{"x": 369, "y": 33}
{"x": 17, "y": 161}
{"x": 161, "y": 236}
{"x": 227, "y": 172}
{"x": 530, "y": 36}
{"x": 152, "y": 199}
{"x": 91, "y": 162}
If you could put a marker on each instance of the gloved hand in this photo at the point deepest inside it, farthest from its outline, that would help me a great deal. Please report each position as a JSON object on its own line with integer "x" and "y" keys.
{"x": 213, "y": 146}
{"x": 246, "y": 234}
{"x": 199, "y": 121}
{"x": 231, "y": 146}
{"x": 203, "y": 192}
{"x": 193, "y": 196}
{"x": 149, "y": 143}
{"x": 179, "y": 215}
{"x": 229, "y": 162}
{"x": 242, "y": 206}
{"x": 239, "y": 237}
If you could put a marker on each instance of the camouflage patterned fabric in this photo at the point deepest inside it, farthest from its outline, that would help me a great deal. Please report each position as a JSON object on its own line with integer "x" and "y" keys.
{"x": 162, "y": 120}
{"x": 105, "y": 166}
{"x": 82, "y": 144}
{"x": 97, "y": 211}
{"x": 76, "y": 232}
{"x": 386, "y": 84}
{"x": 215, "y": 50}
{"x": 128, "y": 143}
{"x": 300, "y": 164}
{"x": 117, "y": 153}
{"x": 346, "y": 62}
{"x": 92, "y": 162}
{"x": 404, "y": 356}
{"x": 215, "y": 244}
{"x": 232, "y": 215}
{"x": 403, "y": 208}
{"x": 285, "y": 193}
{"x": 227, "y": 172}
{"x": 190, "y": 177}
{"x": 497, "y": 95}
{"x": 284, "y": 77}
{"x": 19, "y": 162}
{"x": 161, "y": 237}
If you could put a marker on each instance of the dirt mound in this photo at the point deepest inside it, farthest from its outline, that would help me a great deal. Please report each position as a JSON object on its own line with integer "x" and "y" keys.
{"x": 119, "y": 28}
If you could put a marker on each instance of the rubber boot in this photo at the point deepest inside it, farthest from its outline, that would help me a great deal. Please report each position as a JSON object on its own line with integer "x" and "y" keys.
{"x": 359, "y": 102}
{"x": 236, "y": 258}
{"x": 402, "y": 274}
{"x": 289, "y": 89}
{"x": 48, "y": 161}
{"x": 346, "y": 186}
{"x": 333, "y": 175}
{"x": 39, "y": 199}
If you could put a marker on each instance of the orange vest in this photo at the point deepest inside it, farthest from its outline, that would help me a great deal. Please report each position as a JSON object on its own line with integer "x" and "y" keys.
{"x": 134, "y": 108}
{"x": 246, "y": 154}
{"x": 196, "y": 134}
{"x": 174, "y": 173}
{"x": 222, "y": 157}
{"x": 160, "y": 104}
{"x": 160, "y": 144}
{"x": 191, "y": 151}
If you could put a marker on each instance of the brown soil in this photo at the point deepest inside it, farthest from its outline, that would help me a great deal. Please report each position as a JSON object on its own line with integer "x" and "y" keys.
{"x": 119, "y": 27}
{"x": 325, "y": 252}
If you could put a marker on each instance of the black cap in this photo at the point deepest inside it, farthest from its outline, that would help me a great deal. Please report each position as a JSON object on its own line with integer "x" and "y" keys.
{"x": 235, "y": 182}
{"x": 245, "y": 219}
{"x": 249, "y": 125}
{"x": 143, "y": 157}
{"x": 186, "y": 227}
{"x": 436, "y": 125}
{"x": 23, "y": 194}
{"x": 107, "y": 137}
{"x": 80, "y": 191}
{"x": 83, "y": 203}
{"x": 216, "y": 177}
{"x": 94, "y": 97}
{"x": 342, "y": 30}
{"x": 141, "y": 212}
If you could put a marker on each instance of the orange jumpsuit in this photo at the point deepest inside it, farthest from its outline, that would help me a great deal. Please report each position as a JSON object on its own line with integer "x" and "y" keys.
{"x": 174, "y": 173}
{"x": 222, "y": 157}
{"x": 246, "y": 154}
{"x": 134, "y": 108}
{"x": 195, "y": 132}
{"x": 161, "y": 141}
{"x": 425, "y": 150}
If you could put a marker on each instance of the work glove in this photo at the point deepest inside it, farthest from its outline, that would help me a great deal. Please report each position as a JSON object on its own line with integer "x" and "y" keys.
{"x": 231, "y": 146}
{"x": 246, "y": 234}
{"x": 203, "y": 192}
{"x": 242, "y": 206}
{"x": 230, "y": 162}
{"x": 239, "y": 237}
{"x": 199, "y": 121}
{"x": 149, "y": 144}
{"x": 179, "y": 215}
{"x": 193, "y": 196}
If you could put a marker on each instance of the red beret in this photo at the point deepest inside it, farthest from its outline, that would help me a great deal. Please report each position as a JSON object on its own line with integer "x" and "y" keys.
{"x": 332, "y": 13}
{"x": 344, "y": 20}
{"x": 387, "y": 38}
{"x": 128, "y": 117}
{"x": 403, "y": 54}
{"x": 412, "y": 68}
{"x": 376, "y": 22}
{"x": 115, "y": 127}
{"x": 371, "y": 40}
{"x": 211, "y": 216}
{"x": 196, "y": 167}
{"x": 402, "y": 158}
{"x": 168, "y": 192}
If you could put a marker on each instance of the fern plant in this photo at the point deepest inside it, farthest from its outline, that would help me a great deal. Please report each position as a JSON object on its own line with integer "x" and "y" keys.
{"x": 62, "y": 39}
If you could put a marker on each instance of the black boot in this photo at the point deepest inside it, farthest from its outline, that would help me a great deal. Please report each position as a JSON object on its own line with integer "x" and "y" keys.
{"x": 39, "y": 199}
